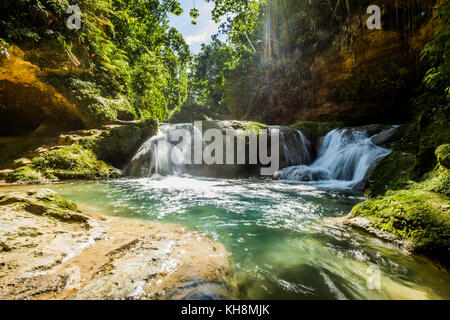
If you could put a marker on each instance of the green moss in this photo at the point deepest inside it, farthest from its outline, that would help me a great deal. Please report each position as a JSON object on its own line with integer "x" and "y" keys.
{"x": 117, "y": 145}
{"x": 246, "y": 126}
{"x": 428, "y": 131}
{"x": 443, "y": 155}
{"x": 393, "y": 172}
{"x": 73, "y": 162}
{"x": 96, "y": 106}
{"x": 70, "y": 162}
{"x": 253, "y": 127}
{"x": 84, "y": 158}
{"x": 25, "y": 174}
{"x": 437, "y": 180}
{"x": 419, "y": 217}
{"x": 315, "y": 130}
{"x": 46, "y": 203}
{"x": 60, "y": 203}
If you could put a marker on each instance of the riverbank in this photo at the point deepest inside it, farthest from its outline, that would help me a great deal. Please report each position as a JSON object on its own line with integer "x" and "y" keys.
{"x": 51, "y": 250}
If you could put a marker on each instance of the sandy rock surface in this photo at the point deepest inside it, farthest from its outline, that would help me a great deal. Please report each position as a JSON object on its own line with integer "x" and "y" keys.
{"x": 50, "y": 250}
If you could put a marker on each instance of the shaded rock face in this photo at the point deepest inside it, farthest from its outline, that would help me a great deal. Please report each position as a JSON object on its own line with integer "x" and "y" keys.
{"x": 27, "y": 101}
{"x": 50, "y": 250}
{"x": 360, "y": 76}
{"x": 41, "y": 89}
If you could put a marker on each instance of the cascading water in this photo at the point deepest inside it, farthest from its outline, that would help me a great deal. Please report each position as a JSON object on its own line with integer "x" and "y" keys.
{"x": 343, "y": 161}
{"x": 156, "y": 155}
{"x": 296, "y": 147}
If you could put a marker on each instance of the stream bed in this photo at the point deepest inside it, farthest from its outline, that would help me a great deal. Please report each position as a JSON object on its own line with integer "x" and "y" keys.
{"x": 283, "y": 237}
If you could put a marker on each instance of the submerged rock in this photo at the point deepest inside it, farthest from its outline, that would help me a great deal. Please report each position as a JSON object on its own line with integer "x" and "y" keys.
{"x": 50, "y": 250}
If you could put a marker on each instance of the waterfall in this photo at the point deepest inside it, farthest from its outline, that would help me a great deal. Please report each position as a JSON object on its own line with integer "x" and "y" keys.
{"x": 343, "y": 160}
{"x": 296, "y": 147}
{"x": 156, "y": 154}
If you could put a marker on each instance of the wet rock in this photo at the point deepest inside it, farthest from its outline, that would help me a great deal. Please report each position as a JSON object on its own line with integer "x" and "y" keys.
{"x": 386, "y": 137}
{"x": 38, "y": 232}
{"x": 153, "y": 268}
{"x": 49, "y": 250}
{"x": 22, "y": 162}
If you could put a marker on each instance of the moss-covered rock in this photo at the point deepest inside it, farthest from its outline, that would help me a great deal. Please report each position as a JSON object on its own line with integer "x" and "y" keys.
{"x": 24, "y": 175}
{"x": 73, "y": 162}
{"x": 117, "y": 145}
{"x": 428, "y": 131}
{"x": 238, "y": 126}
{"x": 87, "y": 154}
{"x": 69, "y": 162}
{"x": 95, "y": 106}
{"x": 443, "y": 155}
{"x": 419, "y": 218}
{"x": 437, "y": 180}
{"x": 45, "y": 202}
{"x": 393, "y": 172}
{"x": 415, "y": 154}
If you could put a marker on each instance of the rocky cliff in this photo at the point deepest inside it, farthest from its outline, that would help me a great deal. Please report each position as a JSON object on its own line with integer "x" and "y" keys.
{"x": 368, "y": 76}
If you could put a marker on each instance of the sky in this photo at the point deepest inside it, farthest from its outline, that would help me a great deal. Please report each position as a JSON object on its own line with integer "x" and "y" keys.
{"x": 197, "y": 34}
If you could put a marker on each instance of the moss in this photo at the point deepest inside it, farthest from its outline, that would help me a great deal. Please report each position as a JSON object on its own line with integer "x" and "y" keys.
{"x": 70, "y": 162}
{"x": 96, "y": 106}
{"x": 438, "y": 181}
{"x": 73, "y": 162}
{"x": 443, "y": 155}
{"x": 46, "y": 203}
{"x": 84, "y": 158}
{"x": 246, "y": 126}
{"x": 25, "y": 175}
{"x": 419, "y": 217}
{"x": 60, "y": 203}
{"x": 117, "y": 145}
{"x": 253, "y": 126}
{"x": 428, "y": 131}
{"x": 393, "y": 172}
{"x": 316, "y": 130}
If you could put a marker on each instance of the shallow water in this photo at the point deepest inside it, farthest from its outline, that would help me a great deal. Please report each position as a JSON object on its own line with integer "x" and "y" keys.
{"x": 283, "y": 243}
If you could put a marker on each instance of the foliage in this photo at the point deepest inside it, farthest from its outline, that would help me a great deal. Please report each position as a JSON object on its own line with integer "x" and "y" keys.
{"x": 437, "y": 52}
{"x": 126, "y": 46}
{"x": 271, "y": 74}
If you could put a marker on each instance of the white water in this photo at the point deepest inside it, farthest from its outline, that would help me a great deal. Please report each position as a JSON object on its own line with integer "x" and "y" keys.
{"x": 343, "y": 161}
{"x": 344, "y": 158}
{"x": 159, "y": 155}
{"x": 296, "y": 147}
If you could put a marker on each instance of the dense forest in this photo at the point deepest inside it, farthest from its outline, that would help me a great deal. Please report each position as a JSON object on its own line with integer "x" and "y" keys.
{"x": 315, "y": 60}
{"x": 276, "y": 65}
